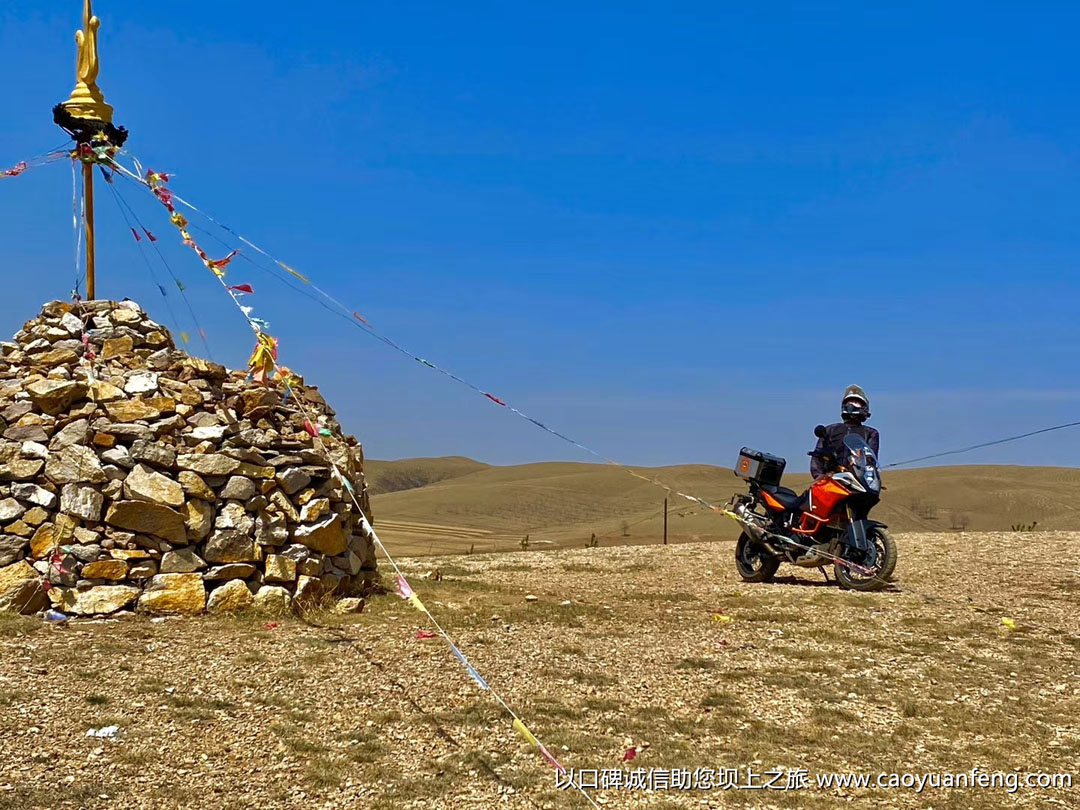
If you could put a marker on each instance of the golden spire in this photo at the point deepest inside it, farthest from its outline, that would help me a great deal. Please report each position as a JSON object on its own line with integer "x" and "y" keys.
{"x": 87, "y": 101}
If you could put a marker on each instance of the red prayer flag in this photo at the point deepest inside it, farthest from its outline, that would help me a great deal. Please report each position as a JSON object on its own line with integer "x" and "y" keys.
{"x": 629, "y": 755}
{"x": 149, "y": 235}
{"x": 244, "y": 288}
{"x": 135, "y": 233}
{"x": 424, "y": 634}
{"x": 495, "y": 399}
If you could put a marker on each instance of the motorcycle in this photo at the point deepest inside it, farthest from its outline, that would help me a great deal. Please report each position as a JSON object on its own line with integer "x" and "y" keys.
{"x": 826, "y": 524}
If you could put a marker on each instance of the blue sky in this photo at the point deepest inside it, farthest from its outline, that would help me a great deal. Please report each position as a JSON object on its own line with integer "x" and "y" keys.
{"x": 666, "y": 229}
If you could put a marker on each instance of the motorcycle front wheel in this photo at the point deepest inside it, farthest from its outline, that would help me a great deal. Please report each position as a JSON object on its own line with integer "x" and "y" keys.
{"x": 753, "y": 563}
{"x": 879, "y": 563}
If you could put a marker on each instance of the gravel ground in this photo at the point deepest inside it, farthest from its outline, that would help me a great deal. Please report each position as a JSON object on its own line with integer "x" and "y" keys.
{"x": 660, "y": 650}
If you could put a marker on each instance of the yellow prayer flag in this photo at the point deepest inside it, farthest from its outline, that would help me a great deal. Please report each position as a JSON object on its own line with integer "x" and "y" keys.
{"x": 1008, "y": 623}
{"x": 520, "y": 728}
{"x": 414, "y": 600}
{"x": 300, "y": 276}
{"x": 184, "y": 337}
{"x": 720, "y": 617}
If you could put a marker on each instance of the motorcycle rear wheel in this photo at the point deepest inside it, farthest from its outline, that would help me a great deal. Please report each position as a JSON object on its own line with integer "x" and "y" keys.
{"x": 752, "y": 562}
{"x": 882, "y": 566}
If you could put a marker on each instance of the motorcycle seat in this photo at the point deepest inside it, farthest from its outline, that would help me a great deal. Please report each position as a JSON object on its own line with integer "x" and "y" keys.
{"x": 788, "y": 497}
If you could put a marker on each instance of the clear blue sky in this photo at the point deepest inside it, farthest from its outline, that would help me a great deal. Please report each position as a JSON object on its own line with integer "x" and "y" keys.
{"x": 667, "y": 229}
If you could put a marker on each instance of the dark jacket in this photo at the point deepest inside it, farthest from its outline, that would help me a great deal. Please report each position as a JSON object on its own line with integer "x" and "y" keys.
{"x": 833, "y": 444}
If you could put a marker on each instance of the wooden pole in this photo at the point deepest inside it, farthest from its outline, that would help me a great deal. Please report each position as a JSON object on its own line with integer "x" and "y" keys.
{"x": 665, "y": 521}
{"x": 88, "y": 184}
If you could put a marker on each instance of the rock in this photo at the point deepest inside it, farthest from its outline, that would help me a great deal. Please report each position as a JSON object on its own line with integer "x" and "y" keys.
{"x": 283, "y": 505}
{"x": 195, "y": 486}
{"x": 234, "y": 516}
{"x": 57, "y": 357}
{"x": 239, "y": 489}
{"x": 231, "y": 597}
{"x": 182, "y": 561}
{"x": 35, "y": 450}
{"x": 101, "y": 391}
{"x": 32, "y": 493}
{"x": 208, "y": 464}
{"x": 13, "y": 413}
{"x": 132, "y": 410}
{"x": 129, "y": 431}
{"x": 26, "y": 433}
{"x": 310, "y": 566}
{"x": 148, "y": 518}
{"x": 11, "y": 548}
{"x": 11, "y": 509}
{"x": 229, "y": 545}
{"x": 326, "y": 536}
{"x": 72, "y": 324}
{"x": 104, "y": 440}
{"x": 314, "y": 510}
{"x": 230, "y": 571}
{"x": 119, "y": 456}
{"x": 117, "y": 347}
{"x": 212, "y": 433}
{"x": 271, "y": 530}
{"x": 35, "y": 516}
{"x": 198, "y": 518}
{"x": 292, "y": 479}
{"x": 143, "y": 569}
{"x": 82, "y": 501}
{"x": 21, "y": 469}
{"x": 21, "y": 590}
{"x": 309, "y": 592}
{"x": 349, "y": 605}
{"x": 142, "y": 383}
{"x": 87, "y": 553}
{"x": 71, "y": 434}
{"x": 55, "y": 396}
{"x": 75, "y": 464}
{"x": 273, "y": 600}
{"x": 279, "y": 568}
{"x": 105, "y": 569}
{"x": 174, "y": 593}
{"x": 349, "y": 562}
{"x": 96, "y": 601}
{"x": 144, "y": 484}
{"x": 154, "y": 453}
{"x": 47, "y": 537}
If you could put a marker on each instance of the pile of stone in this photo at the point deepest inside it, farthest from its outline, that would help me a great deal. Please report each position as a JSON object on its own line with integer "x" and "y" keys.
{"x": 134, "y": 476}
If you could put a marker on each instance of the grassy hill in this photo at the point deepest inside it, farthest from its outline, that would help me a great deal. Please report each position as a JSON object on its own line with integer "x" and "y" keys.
{"x": 453, "y": 504}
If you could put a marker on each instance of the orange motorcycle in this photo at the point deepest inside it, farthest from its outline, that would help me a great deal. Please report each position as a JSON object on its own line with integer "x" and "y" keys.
{"x": 826, "y": 524}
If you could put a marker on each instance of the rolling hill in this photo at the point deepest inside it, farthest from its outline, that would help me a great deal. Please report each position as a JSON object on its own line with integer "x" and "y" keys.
{"x": 446, "y": 505}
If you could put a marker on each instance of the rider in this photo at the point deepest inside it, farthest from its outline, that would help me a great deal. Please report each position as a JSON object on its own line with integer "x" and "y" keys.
{"x": 854, "y": 411}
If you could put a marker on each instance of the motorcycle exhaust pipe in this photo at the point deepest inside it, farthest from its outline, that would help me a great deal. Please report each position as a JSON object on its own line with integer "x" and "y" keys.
{"x": 759, "y": 534}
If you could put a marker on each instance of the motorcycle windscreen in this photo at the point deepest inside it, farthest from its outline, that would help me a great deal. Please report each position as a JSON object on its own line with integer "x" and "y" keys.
{"x": 825, "y": 494}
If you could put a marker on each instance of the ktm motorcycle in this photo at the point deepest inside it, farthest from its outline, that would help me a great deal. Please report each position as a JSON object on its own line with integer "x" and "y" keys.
{"x": 826, "y": 524}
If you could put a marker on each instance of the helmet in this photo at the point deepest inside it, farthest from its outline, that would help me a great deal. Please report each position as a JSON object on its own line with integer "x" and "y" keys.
{"x": 855, "y": 406}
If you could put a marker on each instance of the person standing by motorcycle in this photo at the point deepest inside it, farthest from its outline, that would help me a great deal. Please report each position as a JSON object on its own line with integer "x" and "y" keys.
{"x": 854, "y": 411}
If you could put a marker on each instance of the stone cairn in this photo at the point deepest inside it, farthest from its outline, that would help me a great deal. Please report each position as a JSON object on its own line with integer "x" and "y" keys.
{"x": 133, "y": 475}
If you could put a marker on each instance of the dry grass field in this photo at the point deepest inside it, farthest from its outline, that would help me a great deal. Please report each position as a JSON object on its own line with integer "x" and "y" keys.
{"x": 443, "y": 506}
{"x": 621, "y": 648}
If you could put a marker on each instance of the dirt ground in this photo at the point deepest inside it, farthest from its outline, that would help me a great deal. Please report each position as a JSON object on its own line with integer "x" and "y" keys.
{"x": 658, "y": 650}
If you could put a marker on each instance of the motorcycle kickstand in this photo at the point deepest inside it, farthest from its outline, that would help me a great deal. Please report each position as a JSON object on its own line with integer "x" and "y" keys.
{"x": 824, "y": 573}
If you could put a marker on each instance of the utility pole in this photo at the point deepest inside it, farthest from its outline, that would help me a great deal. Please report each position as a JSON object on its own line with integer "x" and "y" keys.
{"x": 665, "y": 521}
{"x": 88, "y": 119}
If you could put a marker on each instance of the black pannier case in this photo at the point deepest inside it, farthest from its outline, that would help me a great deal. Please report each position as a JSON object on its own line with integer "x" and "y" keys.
{"x": 753, "y": 465}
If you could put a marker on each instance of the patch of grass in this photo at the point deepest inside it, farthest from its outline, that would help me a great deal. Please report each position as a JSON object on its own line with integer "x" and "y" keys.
{"x": 197, "y": 707}
{"x": 292, "y": 736}
{"x": 721, "y": 700}
{"x": 698, "y": 663}
{"x": 14, "y": 626}
{"x": 98, "y": 700}
{"x": 325, "y": 771}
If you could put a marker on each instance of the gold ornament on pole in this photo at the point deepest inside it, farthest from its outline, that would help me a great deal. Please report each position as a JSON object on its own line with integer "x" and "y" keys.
{"x": 88, "y": 119}
{"x": 87, "y": 100}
